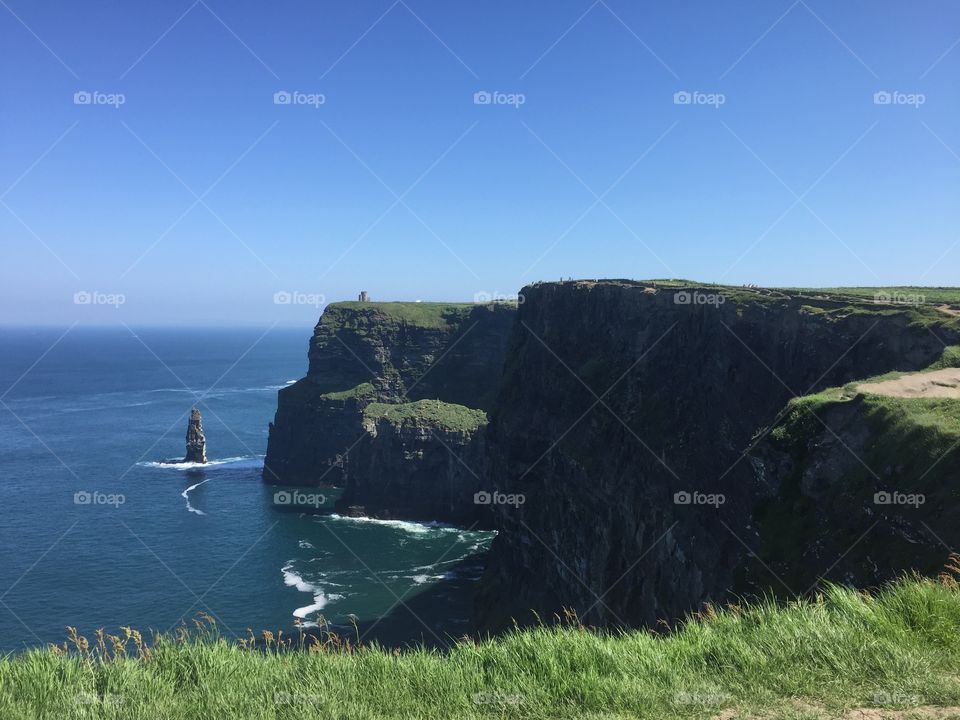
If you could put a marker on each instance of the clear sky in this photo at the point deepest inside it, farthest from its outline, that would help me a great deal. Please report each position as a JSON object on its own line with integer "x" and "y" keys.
{"x": 177, "y": 183}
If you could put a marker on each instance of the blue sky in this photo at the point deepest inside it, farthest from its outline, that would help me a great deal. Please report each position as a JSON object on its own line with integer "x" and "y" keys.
{"x": 198, "y": 198}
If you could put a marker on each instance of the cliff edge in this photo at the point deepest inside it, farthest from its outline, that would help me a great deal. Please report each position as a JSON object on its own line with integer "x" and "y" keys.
{"x": 381, "y": 410}
{"x": 625, "y": 420}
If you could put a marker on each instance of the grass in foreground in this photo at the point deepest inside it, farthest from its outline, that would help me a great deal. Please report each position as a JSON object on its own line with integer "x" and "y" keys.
{"x": 897, "y": 649}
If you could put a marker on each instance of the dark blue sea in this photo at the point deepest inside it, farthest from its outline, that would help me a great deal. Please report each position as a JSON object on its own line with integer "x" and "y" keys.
{"x": 96, "y": 531}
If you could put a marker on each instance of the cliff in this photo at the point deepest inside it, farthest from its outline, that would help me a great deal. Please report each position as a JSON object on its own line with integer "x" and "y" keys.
{"x": 382, "y": 353}
{"x": 419, "y": 461}
{"x": 624, "y": 418}
{"x": 863, "y": 480}
{"x": 642, "y": 448}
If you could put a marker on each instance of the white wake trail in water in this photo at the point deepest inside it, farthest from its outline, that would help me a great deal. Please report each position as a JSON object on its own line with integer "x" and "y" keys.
{"x": 245, "y": 462}
{"x": 186, "y": 496}
{"x": 320, "y": 599}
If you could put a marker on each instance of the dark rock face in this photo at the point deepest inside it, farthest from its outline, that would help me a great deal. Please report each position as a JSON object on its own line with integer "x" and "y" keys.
{"x": 415, "y": 470}
{"x": 623, "y": 454}
{"x": 385, "y": 352}
{"x": 196, "y": 442}
{"x": 627, "y": 450}
{"x": 859, "y": 495}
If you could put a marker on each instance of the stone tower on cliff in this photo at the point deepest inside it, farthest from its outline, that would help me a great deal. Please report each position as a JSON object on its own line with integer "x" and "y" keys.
{"x": 196, "y": 442}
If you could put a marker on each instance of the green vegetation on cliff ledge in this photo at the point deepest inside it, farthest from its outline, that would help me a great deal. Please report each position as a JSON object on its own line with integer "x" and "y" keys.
{"x": 898, "y": 649}
{"x": 420, "y": 314}
{"x": 363, "y": 391}
{"x": 435, "y": 413}
{"x": 901, "y": 422}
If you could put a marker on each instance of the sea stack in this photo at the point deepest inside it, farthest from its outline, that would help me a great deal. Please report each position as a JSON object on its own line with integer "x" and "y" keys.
{"x": 196, "y": 442}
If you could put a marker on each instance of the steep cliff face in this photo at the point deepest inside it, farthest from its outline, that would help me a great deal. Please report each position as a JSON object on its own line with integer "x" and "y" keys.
{"x": 855, "y": 486}
{"x": 623, "y": 420}
{"x": 419, "y": 461}
{"x": 392, "y": 353}
{"x": 451, "y": 352}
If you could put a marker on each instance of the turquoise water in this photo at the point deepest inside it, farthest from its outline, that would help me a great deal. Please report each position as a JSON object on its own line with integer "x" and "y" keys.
{"x": 96, "y": 532}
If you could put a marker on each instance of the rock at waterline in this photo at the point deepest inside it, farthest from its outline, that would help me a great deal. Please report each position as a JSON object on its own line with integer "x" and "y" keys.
{"x": 196, "y": 442}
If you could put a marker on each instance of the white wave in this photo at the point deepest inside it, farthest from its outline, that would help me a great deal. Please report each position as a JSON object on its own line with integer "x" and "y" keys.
{"x": 320, "y": 599}
{"x": 415, "y": 528}
{"x": 305, "y": 545}
{"x": 236, "y": 463}
{"x": 186, "y": 496}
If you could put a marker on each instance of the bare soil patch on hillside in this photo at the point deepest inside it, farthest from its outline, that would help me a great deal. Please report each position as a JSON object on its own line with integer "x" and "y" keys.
{"x": 937, "y": 384}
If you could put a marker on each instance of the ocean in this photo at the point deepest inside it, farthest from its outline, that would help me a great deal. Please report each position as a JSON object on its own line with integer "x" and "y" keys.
{"x": 97, "y": 531}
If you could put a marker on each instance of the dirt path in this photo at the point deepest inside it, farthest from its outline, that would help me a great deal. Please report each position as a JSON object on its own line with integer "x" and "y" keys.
{"x": 813, "y": 712}
{"x": 936, "y": 384}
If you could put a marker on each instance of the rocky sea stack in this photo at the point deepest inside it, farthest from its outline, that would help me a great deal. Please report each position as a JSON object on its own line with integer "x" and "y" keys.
{"x": 196, "y": 442}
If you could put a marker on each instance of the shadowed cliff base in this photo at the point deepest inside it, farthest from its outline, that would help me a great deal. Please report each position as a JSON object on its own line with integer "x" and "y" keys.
{"x": 435, "y": 618}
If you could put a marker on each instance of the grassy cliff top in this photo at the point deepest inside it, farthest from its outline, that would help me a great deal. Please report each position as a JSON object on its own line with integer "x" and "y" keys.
{"x": 940, "y": 414}
{"x": 894, "y": 650}
{"x": 927, "y": 306}
{"x": 420, "y": 314}
{"x": 897, "y": 294}
{"x": 446, "y": 416}
{"x": 904, "y": 294}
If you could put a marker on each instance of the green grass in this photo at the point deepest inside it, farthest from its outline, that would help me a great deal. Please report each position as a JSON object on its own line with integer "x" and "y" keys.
{"x": 420, "y": 314}
{"x": 901, "y": 293}
{"x": 899, "y": 423}
{"x": 898, "y": 648}
{"x": 443, "y": 415}
{"x": 919, "y": 302}
{"x": 363, "y": 391}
